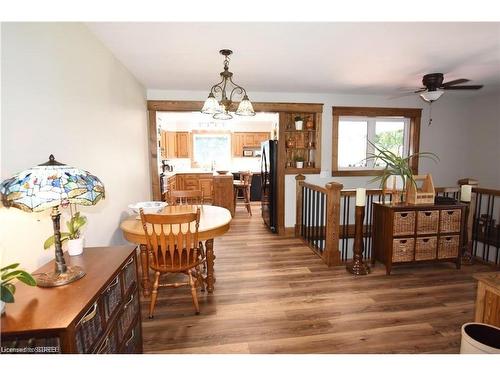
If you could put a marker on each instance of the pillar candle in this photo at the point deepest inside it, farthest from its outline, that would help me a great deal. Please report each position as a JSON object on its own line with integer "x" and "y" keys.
{"x": 465, "y": 193}
{"x": 360, "y": 196}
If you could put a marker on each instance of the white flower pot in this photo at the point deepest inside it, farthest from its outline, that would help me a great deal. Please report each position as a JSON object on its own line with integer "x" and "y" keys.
{"x": 75, "y": 247}
{"x": 299, "y": 164}
{"x": 480, "y": 338}
{"x": 2, "y": 307}
{"x": 298, "y": 125}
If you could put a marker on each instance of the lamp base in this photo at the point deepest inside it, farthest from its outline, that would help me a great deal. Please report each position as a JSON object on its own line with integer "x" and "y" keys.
{"x": 52, "y": 279}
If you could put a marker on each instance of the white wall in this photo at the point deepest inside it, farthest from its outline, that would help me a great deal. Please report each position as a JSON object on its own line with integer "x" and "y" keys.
{"x": 65, "y": 93}
{"x": 484, "y": 140}
{"x": 445, "y": 137}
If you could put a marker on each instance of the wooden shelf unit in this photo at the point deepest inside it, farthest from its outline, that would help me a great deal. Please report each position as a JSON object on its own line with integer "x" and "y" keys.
{"x": 306, "y": 143}
{"x": 411, "y": 233}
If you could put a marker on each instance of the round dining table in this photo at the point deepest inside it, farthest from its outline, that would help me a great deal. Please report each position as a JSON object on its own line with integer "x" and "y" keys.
{"x": 214, "y": 222}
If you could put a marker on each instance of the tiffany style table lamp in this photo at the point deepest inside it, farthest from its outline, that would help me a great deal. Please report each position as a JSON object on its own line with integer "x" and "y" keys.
{"x": 50, "y": 185}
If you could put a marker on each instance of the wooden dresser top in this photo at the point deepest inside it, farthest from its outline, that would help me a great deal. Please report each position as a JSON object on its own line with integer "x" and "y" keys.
{"x": 38, "y": 308}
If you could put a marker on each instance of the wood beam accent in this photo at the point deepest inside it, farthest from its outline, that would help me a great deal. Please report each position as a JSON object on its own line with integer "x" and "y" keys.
{"x": 191, "y": 105}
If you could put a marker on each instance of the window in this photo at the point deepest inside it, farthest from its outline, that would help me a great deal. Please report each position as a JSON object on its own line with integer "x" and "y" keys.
{"x": 210, "y": 148}
{"x": 356, "y": 134}
{"x": 354, "y": 128}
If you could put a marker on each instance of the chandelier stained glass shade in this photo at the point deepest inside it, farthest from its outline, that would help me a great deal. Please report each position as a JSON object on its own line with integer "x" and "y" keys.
{"x": 226, "y": 90}
{"x": 49, "y": 185}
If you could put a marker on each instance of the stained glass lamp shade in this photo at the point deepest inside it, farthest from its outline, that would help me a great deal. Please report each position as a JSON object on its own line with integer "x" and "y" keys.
{"x": 50, "y": 185}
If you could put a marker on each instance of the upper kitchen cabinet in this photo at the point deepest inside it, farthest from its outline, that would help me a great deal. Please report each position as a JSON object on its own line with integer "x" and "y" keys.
{"x": 175, "y": 145}
{"x": 243, "y": 140}
{"x": 183, "y": 144}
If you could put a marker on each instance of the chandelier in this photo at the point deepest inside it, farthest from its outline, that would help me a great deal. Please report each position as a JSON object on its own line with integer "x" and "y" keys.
{"x": 220, "y": 108}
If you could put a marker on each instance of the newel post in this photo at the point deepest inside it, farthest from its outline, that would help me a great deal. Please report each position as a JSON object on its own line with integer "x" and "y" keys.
{"x": 298, "y": 205}
{"x": 469, "y": 220}
{"x": 332, "y": 253}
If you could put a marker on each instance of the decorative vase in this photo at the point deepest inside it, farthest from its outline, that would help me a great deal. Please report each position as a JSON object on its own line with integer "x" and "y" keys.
{"x": 75, "y": 247}
{"x": 290, "y": 143}
{"x": 2, "y": 307}
{"x": 299, "y": 164}
{"x": 298, "y": 125}
{"x": 309, "y": 125}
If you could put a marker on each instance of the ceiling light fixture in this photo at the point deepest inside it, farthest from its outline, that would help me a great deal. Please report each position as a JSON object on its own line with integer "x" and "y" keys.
{"x": 220, "y": 108}
{"x": 431, "y": 96}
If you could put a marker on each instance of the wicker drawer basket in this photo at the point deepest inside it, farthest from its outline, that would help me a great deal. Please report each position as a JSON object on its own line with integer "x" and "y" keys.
{"x": 450, "y": 221}
{"x": 448, "y": 247}
{"x": 426, "y": 248}
{"x": 427, "y": 222}
{"x": 404, "y": 223}
{"x": 403, "y": 250}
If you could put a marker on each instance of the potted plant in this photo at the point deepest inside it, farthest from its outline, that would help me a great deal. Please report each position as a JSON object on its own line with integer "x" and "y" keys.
{"x": 73, "y": 235}
{"x": 7, "y": 289}
{"x": 299, "y": 162}
{"x": 298, "y": 122}
{"x": 396, "y": 165}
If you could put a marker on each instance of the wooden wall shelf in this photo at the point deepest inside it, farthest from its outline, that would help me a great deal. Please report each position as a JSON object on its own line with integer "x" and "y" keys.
{"x": 304, "y": 143}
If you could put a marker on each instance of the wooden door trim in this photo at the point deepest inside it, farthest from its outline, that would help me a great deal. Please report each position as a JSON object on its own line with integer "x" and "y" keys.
{"x": 189, "y": 105}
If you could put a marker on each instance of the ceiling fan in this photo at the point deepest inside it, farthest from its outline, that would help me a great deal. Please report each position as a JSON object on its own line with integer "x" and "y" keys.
{"x": 434, "y": 86}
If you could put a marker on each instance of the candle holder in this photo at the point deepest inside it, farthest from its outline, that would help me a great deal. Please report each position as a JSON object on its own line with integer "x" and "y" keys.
{"x": 357, "y": 266}
{"x": 467, "y": 258}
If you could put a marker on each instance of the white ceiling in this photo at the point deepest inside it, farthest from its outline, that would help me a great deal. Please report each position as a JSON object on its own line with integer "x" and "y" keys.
{"x": 354, "y": 58}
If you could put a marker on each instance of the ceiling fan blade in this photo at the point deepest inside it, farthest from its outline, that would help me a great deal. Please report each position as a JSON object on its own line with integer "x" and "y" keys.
{"x": 455, "y": 82}
{"x": 471, "y": 87}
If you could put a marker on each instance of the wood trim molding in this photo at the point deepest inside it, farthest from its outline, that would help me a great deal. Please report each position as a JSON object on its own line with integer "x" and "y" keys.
{"x": 191, "y": 105}
{"x": 414, "y": 114}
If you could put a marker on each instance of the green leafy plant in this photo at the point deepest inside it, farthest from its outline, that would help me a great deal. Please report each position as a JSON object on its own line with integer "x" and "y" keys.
{"x": 299, "y": 158}
{"x": 396, "y": 165}
{"x": 9, "y": 274}
{"x": 298, "y": 118}
{"x": 74, "y": 226}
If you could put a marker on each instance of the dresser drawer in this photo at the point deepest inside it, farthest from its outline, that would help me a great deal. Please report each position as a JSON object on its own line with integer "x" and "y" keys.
{"x": 131, "y": 343}
{"x": 450, "y": 221}
{"x": 404, "y": 223}
{"x": 109, "y": 344}
{"x": 129, "y": 312}
{"x": 403, "y": 250}
{"x": 448, "y": 247}
{"x": 427, "y": 222}
{"x": 88, "y": 329}
{"x": 129, "y": 272}
{"x": 112, "y": 297}
{"x": 425, "y": 248}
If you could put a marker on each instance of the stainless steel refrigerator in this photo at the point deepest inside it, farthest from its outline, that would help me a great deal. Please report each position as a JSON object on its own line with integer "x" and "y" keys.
{"x": 269, "y": 182}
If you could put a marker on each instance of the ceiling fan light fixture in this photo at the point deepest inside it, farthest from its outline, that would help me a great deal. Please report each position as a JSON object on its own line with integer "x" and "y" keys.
{"x": 431, "y": 96}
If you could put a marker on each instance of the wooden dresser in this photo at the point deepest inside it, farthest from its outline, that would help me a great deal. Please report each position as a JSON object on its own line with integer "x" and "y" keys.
{"x": 488, "y": 298}
{"x": 405, "y": 233}
{"x": 99, "y": 313}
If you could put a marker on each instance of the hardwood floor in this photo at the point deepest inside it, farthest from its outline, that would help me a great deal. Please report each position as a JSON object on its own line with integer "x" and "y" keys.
{"x": 273, "y": 295}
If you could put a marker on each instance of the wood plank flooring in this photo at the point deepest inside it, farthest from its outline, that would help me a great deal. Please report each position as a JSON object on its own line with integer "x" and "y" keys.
{"x": 273, "y": 295}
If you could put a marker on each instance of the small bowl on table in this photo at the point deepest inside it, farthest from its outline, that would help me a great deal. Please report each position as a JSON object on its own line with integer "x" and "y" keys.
{"x": 151, "y": 207}
{"x": 222, "y": 172}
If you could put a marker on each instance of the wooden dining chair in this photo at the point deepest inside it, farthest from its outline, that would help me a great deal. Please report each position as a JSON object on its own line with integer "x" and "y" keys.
{"x": 173, "y": 247}
{"x": 243, "y": 185}
{"x": 186, "y": 197}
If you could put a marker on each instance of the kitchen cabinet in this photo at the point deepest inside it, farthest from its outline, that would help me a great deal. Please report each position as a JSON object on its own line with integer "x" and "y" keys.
{"x": 243, "y": 140}
{"x": 183, "y": 140}
{"x": 175, "y": 145}
{"x": 192, "y": 181}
